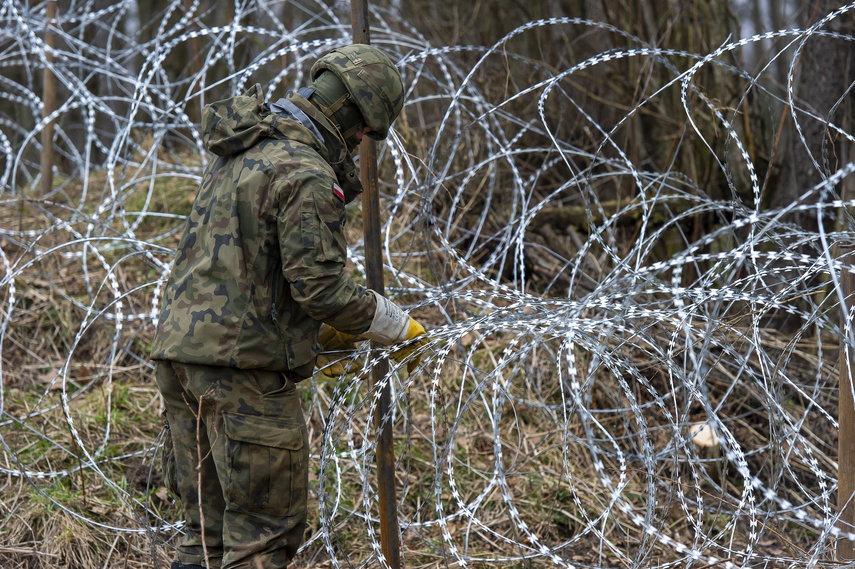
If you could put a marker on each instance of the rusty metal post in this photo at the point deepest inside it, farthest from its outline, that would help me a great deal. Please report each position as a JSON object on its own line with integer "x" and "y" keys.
{"x": 48, "y": 101}
{"x": 846, "y": 415}
{"x": 389, "y": 533}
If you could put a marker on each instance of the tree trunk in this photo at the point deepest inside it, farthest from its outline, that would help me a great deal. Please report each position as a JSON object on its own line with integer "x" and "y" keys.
{"x": 49, "y": 101}
{"x": 825, "y": 70}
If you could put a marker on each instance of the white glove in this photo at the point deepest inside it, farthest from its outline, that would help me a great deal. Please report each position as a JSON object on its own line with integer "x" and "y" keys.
{"x": 390, "y": 323}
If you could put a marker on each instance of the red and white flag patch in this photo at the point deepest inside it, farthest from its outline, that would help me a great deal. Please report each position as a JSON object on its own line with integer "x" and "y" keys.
{"x": 338, "y": 192}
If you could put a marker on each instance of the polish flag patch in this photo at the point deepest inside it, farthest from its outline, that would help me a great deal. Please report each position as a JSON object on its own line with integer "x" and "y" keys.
{"x": 338, "y": 192}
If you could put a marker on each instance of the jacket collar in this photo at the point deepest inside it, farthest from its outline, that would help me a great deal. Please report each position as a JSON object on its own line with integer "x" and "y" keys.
{"x": 331, "y": 149}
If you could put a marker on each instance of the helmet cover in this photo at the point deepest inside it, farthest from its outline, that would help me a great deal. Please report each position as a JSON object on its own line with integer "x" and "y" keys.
{"x": 372, "y": 80}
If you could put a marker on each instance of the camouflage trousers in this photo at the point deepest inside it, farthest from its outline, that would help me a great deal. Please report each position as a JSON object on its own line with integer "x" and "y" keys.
{"x": 250, "y": 504}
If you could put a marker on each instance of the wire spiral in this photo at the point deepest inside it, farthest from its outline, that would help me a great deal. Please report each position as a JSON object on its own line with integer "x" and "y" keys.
{"x": 579, "y": 339}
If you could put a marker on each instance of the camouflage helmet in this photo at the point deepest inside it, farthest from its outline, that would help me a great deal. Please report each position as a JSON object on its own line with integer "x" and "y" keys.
{"x": 371, "y": 79}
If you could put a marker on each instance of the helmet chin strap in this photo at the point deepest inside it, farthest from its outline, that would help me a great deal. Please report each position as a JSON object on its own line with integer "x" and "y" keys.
{"x": 331, "y": 110}
{"x": 342, "y": 113}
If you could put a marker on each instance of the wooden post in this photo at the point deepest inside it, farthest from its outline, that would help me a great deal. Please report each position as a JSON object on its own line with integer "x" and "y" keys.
{"x": 389, "y": 533}
{"x": 846, "y": 414}
{"x": 48, "y": 101}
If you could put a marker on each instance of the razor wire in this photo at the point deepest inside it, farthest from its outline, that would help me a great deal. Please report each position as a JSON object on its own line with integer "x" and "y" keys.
{"x": 553, "y": 417}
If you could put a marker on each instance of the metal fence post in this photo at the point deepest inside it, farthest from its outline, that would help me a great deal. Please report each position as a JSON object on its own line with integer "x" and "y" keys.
{"x": 389, "y": 532}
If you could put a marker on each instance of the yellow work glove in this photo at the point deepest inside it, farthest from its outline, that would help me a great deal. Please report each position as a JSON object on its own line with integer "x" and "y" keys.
{"x": 414, "y": 330}
{"x": 332, "y": 364}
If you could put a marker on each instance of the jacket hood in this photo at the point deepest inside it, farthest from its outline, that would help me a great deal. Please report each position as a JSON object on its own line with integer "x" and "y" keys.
{"x": 233, "y": 125}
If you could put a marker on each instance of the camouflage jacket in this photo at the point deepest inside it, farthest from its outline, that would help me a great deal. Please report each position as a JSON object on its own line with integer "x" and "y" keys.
{"x": 261, "y": 261}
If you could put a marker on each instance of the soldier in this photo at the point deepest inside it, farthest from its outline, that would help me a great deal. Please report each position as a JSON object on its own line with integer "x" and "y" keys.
{"x": 259, "y": 269}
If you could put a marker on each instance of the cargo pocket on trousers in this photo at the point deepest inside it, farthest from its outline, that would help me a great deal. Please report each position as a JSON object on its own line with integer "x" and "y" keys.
{"x": 265, "y": 462}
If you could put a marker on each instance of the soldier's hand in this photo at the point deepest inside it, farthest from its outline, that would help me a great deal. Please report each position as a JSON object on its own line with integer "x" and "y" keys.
{"x": 335, "y": 346}
{"x": 415, "y": 341}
